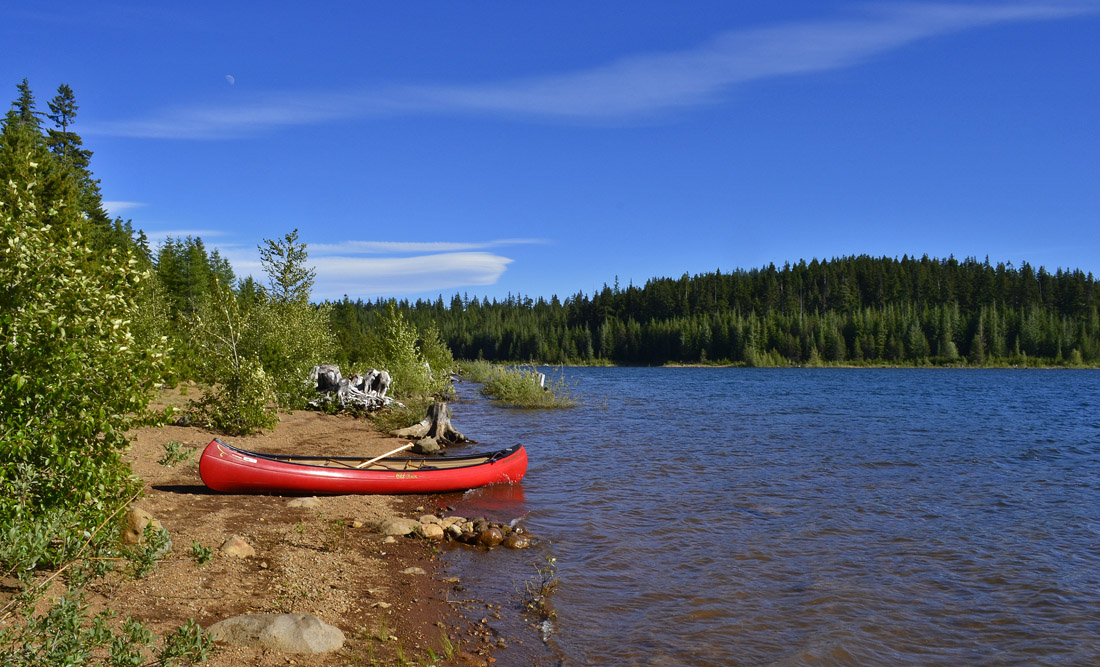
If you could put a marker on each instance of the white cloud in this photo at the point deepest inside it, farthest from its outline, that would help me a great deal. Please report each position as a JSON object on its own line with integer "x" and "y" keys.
{"x": 396, "y": 247}
{"x": 342, "y": 269}
{"x": 632, "y": 87}
{"x": 367, "y": 277}
{"x": 115, "y": 208}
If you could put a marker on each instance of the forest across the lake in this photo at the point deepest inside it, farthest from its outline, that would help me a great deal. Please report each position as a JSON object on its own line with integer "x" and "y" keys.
{"x": 856, "y": 310}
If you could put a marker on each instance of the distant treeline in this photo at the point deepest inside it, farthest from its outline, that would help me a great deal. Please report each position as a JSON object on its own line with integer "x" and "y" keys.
{"x": 848, "y": 310}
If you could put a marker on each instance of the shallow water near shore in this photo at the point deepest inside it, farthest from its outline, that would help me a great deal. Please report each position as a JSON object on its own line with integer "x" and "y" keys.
{"x": 721, "y": 516}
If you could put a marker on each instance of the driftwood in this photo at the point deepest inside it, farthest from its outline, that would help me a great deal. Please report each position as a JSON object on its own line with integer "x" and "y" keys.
{"x": 359, "y": 392}
{"x": 436, "y": 426}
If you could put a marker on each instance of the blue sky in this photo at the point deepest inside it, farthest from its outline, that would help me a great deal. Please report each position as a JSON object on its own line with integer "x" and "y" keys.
{"x": 549, "y": 148}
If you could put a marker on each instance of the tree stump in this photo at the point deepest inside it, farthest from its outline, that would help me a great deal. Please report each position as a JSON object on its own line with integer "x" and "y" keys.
{"x": 436, "y": 426}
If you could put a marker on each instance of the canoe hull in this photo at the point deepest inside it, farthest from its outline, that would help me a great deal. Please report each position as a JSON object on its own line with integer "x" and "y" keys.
{"x": 231, "y": 470}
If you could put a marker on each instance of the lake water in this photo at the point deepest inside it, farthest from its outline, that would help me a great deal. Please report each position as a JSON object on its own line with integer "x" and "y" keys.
{"x": 717, "y": 516}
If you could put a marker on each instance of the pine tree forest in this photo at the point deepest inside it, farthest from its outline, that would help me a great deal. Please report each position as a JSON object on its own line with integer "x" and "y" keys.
{"x": 856, "y": 310}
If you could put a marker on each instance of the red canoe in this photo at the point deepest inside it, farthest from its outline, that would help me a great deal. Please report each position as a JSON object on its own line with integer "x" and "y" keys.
{"x": 232, "y": 470}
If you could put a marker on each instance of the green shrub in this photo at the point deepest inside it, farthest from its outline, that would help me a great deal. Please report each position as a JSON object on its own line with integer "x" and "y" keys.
{"x": 288, "y": 334}
{"x": 520, "y": 387}
{"x": 289, "y": 340}
{"x": 65, "y": 635}
{"x": 201, "y": 554}
{"x": 239, "y": 397}
{"x": 476, "y": 371}
{"x": 73, "y": 378}
{"x": 419, "y": 364}
{"x": 175, "y": 452}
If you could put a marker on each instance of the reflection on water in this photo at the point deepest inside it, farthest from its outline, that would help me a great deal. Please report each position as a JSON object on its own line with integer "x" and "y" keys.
{"x": 754, "y": 516}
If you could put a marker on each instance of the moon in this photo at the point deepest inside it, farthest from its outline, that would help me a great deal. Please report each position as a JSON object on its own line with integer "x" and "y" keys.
{"x": 230, "y": 79}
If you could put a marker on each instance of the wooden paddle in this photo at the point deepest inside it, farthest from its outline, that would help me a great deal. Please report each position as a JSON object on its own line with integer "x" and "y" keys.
{"x": 379, "y": 458}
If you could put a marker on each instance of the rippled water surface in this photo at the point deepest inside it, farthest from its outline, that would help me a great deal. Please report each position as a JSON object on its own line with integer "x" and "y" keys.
{"x": 769, "y": 516}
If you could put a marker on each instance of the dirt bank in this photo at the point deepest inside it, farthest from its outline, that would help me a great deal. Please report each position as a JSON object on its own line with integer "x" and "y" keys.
{"x": 324, "y": 560}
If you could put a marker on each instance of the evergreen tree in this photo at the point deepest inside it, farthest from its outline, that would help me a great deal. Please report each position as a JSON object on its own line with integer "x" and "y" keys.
{"x": 290, "y": 279}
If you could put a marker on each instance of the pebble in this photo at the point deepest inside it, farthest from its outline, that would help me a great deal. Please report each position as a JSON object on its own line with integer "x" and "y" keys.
{"x": 235, "y": 546}
{"x": 304, "y": 502}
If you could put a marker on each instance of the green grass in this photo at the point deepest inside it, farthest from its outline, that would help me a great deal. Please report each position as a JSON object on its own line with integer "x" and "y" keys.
{"x": 519, "y": 387}
{"x": 476, "y": 371}
{"x": 394, "y": 416}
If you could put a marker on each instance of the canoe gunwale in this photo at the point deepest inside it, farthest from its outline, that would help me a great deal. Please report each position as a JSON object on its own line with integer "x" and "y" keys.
{"x": 423, "y": 462}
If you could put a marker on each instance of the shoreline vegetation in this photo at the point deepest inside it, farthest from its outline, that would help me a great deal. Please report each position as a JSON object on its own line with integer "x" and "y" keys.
{"x": 519, "y": 385}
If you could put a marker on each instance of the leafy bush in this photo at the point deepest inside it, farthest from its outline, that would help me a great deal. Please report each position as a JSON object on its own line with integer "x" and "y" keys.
{"x": 258, "y": 347}
{"x": 419, "y": 364}
{"x": 240, "y": 397}
{"x": 74, "y": 378}
{"x": 76, "y": 374}
{"x": 175, "y": 452}
{"x": 65, "y": 635}
{"x": 290, "y": 336}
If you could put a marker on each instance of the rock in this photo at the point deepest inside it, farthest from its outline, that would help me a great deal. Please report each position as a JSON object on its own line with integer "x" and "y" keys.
{"x": 516, "y": 541}
{"x": 304, "y": 502}
{"x": 133, "y": 529}
{"x": 455, "y": 531}
{"x": 430, "y": 531}
{"x": 467, "y": 658}
{"x": 431, "y": 518}
{"x": 285, "y": 633}
{"x": 449, "y": 521}
{"x": 135, "y": 522}
{"x": 413, "y": 571}
{"x": 390, "y": 539}
{"x": 235, "y": 546}
{"x": 356, "y": 524}
{"x": 427, "y": 447}
{"x": 398, "y": 526}
{"x": 490, "y": 537}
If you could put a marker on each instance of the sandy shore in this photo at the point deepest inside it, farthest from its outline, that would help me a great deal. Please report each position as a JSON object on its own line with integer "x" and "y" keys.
{"x": 326, "y": 560}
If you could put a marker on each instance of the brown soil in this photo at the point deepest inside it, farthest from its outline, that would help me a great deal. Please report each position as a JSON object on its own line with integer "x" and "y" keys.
{"x": 328, "y": 561}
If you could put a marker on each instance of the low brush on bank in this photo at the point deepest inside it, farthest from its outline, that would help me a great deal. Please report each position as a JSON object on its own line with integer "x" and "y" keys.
{"x": 520, "y": 387}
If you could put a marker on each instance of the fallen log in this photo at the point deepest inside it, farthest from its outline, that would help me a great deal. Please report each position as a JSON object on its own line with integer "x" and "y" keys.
{"x": 357, "y": 393}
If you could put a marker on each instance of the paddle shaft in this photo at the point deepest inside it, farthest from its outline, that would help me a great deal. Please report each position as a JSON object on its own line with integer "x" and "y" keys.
{"x": 379, "y": 458}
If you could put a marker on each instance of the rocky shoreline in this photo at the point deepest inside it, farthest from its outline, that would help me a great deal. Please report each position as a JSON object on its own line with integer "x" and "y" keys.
{"x": 288, "y": 561}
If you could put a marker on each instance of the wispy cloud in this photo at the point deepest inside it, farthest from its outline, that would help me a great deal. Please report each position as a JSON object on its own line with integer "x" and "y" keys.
{"x": 367, "y": 269}
{"x": 633, "y": 87}
{"x": 361, "y": 276}
{"x": 115, "y": 208}
{"x": 403, "y": 247}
